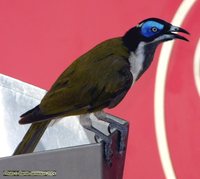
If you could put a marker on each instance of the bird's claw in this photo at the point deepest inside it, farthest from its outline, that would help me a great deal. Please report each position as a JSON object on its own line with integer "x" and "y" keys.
{"x": 111, "y": 128}
{"x": 97, "y": 138}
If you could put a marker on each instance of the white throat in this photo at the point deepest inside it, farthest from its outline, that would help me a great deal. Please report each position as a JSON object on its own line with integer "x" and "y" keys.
{"x": 136, "y": 61}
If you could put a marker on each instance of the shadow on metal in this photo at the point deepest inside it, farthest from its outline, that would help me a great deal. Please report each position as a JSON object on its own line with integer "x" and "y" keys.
{"x": 65, "y": 148}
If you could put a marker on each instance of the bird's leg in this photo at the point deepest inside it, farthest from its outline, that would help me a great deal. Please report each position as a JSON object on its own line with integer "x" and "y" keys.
{"x": 87, "y": 124}
{"x": 115, "y": 123}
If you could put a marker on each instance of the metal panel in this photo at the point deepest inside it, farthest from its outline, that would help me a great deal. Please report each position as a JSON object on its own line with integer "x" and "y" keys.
{"x": 75, "y": 154}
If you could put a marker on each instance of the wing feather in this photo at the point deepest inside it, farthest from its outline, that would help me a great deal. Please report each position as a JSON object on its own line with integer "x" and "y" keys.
{"x": 90, "y": 83}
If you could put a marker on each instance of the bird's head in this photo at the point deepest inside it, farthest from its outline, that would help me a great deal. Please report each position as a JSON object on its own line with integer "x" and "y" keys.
{"x": 152, "y": 31}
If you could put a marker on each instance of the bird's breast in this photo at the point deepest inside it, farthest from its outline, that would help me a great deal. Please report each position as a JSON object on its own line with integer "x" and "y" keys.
{"x": 136, "y": 61}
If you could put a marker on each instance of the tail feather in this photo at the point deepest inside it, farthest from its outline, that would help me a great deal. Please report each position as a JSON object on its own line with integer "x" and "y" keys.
{"x": 35, "y": 132}
{"x": 31, "y": 138}
{"x": 33, "y": 115}
{"x": 30, "y": 111}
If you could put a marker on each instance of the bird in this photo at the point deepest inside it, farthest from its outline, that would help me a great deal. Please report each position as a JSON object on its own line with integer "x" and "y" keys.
{"x": 99, "y": 79}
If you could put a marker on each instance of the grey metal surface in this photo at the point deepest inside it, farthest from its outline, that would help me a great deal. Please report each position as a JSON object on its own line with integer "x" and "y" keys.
{"x": 69, "y": 163}
{"x": 77, "y": 155}
{"x": 16, "y": 97}
{"x": 82, "y": 162}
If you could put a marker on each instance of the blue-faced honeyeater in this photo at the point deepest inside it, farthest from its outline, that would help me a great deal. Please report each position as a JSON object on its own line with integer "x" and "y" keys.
{"x": 99, "y": 79}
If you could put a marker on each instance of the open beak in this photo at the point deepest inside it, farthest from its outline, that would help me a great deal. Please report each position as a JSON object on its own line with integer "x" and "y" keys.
{"x": 178, "y": 29}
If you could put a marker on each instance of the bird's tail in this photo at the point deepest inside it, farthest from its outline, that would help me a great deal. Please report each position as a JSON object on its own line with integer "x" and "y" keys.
{"x": 33, "y": 115}
{"x": 31, "y": 138}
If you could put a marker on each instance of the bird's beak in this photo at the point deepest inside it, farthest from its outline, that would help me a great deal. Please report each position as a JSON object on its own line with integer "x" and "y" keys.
{"x": 178, "y": 29}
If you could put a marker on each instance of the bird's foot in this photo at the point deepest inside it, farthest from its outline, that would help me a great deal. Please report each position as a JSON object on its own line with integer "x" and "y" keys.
{"x": 99, "y": 137}
{"x": 115, "y": 123}
{"x": 107, "y": 143}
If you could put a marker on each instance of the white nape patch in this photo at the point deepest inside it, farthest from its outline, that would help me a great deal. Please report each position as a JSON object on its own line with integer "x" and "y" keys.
{"x": 136, "y": 61}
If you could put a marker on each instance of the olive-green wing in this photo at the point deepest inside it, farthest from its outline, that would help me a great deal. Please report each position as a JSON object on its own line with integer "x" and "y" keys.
{"x": 89, "y": 85}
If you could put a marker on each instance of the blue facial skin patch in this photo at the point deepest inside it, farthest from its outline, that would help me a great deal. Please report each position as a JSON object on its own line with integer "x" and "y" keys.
{"x": 146, "y": 29}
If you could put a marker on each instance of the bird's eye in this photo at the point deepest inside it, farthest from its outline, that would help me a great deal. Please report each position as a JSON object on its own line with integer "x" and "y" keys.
{"x": 154, "y": 29}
